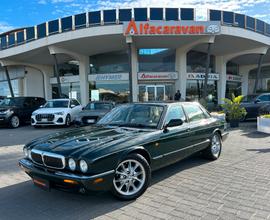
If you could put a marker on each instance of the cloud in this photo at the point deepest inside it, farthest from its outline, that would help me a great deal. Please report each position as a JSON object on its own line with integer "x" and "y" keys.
{"x": 248, "y": 7}
{"x": 4, "y": 27}
{"x": 42, "y": 2}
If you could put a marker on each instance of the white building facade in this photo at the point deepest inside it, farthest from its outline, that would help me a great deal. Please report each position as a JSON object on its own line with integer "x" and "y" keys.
{"x": 147, "y": 52}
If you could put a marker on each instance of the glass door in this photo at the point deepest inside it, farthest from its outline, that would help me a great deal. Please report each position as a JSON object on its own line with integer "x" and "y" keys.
{"x": 155, "y": 92}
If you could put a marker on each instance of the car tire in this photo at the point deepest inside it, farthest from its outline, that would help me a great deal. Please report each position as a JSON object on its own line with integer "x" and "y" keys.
{"x": 213, "y": 151}
{"x": 14, "y": 121}
{"x": 133, "y": 172}
{"x": 68, "y": 120}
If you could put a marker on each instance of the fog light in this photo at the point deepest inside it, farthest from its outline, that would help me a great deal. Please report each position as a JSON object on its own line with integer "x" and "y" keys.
{"x": 72, "y": 164}
{"x": 83, "y": 166}
{"x": 25, "y": 151}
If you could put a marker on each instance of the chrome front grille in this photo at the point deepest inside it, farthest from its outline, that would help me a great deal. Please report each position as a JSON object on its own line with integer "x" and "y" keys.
{"x": 48, "y": 159}
{"x": 48, "y": 117}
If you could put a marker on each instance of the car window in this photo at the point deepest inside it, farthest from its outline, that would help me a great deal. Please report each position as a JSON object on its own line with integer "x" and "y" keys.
{"x": 57, "y": 104}
{"x": 175, "y": 112}
{"x": 264, "y": 98}
{"x": 194, "y": 112}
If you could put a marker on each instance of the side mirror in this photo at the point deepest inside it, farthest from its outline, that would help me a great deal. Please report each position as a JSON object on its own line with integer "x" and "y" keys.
{"x": 72, "y": 106}
{"x": 173, "y": 123}
{"x": 257, "y": 101}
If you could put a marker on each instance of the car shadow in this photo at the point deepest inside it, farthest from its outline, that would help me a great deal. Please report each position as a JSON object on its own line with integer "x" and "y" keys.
{"x": 24, "y": 199}
{"x": 255, "y": 134}
{"x": 263, "y": 150}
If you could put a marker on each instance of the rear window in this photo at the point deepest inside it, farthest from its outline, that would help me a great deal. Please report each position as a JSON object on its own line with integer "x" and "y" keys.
{"x": 99, "y": 106}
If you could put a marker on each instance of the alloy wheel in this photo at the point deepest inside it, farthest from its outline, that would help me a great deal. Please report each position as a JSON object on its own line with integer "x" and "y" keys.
{"x": 15, "y": 121}
{"x": 215, "y": 145}
{"x": 129, "y": 177}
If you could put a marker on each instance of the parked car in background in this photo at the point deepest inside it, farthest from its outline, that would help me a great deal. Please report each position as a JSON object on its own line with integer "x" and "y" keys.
{"x": 16, "y": 111}
{"x": 56, "y": 112}
{"x": 254, "y": 104}
{"x": 123, "y": 148}
{"x": 93, "y": 111}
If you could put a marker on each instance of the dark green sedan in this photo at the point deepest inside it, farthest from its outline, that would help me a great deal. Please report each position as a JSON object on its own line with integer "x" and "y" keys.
{"x": 123, "y": 148}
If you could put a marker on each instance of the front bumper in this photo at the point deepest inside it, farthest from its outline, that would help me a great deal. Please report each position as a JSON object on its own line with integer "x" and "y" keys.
{"x": 224, "y": 135}
{"x": 69, "y": 181}
{"x": 58, "y": 120}
{"x": 4, "y": 119}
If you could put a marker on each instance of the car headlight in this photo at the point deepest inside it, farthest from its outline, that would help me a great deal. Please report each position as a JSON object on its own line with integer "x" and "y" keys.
{"x": 7, "y": 111}
{"x": 71, "y": 164}
{"x": 59, "y": 113}
{"x": 83, "y": 166}
{"x": 25, "y": 151}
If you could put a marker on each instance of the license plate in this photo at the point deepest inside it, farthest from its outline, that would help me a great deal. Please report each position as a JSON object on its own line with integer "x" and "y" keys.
{"x": 44, "y": 119}
{"x": 41, "y": 183}
{"x": 90, "y": 120}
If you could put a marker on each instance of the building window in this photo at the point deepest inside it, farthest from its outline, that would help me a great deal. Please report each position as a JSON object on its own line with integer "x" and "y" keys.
{"x": 196, "y": 62}
{"x": 263, "y": 82}
{"x": 115, "y": 91}
{"x": 156, "y": 60}
{"x": 4, "y": 88}
{"x": 114, "y": 62}
{"x": 232, "y": 68}
{"x": 69, "y": 90}
{"x": 70, "y": 68}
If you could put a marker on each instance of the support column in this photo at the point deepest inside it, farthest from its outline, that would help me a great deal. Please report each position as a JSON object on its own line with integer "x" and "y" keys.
{"x": 84, "y": 70}
{"x": 20, "y": 87}
{"x": 57, "y": 76}
{"x": 221, "y": 69}
{"x": 258, "y": 76}
{"x": 181, "y": 67}
{"x": 134, "y": 64}
{"x": 9, "y": 81}
{"x": 206, "y": 72}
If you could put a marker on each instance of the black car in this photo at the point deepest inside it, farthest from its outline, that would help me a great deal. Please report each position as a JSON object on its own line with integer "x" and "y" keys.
{"x": 93, "y": 111}
{"x": 255, "y": 104}
{"x": 123, "y": 148}
{"x": 18, "y": 110}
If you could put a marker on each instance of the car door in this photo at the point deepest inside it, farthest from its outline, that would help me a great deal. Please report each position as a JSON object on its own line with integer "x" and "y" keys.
{"x": 27, "y": 109}
{"x": 174, "y": 141}
{"x": 200, "y": 126}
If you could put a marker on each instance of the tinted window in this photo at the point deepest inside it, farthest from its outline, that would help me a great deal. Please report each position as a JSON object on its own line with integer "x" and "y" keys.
{"x": 124, "y": 14}
{"x": 194, "y": 112}
{"x": 156, "y": 13}
{"x": 57, "y": 104}
{"x": 80, "y": 20}
{"x": 140, "y": 14}
{"x": 11, "y": 39}
{"x": 53, "y": 26}
{"x": 20, "y": 37}
{"x": 240, "y": 20}
{"x": 215, "y": 15}
{"x": 12, "y": 102}
{"x": 41, "y": 30}
{"x": 228, "y": 17}
{"x": 264, "y": 98}
{"x": 187, "y": 14}
{"x": 175, "y": 112}
{"x": 171, "y": 14}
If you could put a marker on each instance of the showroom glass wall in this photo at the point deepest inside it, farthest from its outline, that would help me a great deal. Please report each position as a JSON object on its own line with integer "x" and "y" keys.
{"x": 4, "y": 88}
{"x": 232, "y": 86}
{"x": 196, "y": 63}
{"x": 110, "y": 69}
{"x": 70, "y": 85}
{"x": 157, "y": 61}
{"x": 263, "y": 82}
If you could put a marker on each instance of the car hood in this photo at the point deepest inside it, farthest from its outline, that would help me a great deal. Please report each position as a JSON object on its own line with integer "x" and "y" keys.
{"x": 49, "y": 110}
{"x": 82, "y": 141}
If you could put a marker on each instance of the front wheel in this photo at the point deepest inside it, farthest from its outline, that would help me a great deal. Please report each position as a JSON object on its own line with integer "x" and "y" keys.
{"x": 14, "y": 121}
{"x": 132, "y": 177}
{"x": 214, "y": 150}
{"x": 68, "y": 120}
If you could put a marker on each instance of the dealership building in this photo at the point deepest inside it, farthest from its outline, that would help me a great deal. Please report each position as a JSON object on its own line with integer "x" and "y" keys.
{"x": 145, "y": 54}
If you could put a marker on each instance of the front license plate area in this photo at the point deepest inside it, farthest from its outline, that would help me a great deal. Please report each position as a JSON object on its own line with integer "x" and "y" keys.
{"x": 41, "y": 183}
{"x": 90, "y": 121}
{"x": 44, "y": 119}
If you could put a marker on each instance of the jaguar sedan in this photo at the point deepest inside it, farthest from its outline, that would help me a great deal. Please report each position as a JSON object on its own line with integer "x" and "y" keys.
{"x": 120, "y": 152}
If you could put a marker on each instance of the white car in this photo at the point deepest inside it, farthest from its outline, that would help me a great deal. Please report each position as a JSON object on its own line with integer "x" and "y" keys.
{"x": 56, "y": 112}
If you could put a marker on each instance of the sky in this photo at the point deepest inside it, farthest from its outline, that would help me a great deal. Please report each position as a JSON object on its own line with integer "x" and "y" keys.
{"x": 24, "y": 13}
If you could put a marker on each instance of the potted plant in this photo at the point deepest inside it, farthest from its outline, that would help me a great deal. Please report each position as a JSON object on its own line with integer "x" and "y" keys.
{"x": 233, "y": 110}
{"x": 263, "y": 123}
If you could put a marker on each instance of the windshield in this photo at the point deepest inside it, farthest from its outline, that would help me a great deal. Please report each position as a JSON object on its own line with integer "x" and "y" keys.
{"x": 99, "y": 106}
{"x": 57, "y": 104}
{"x": 134, "y": 115}
{"x": 249, "y": 98}
{"x": 12, "y": 102}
